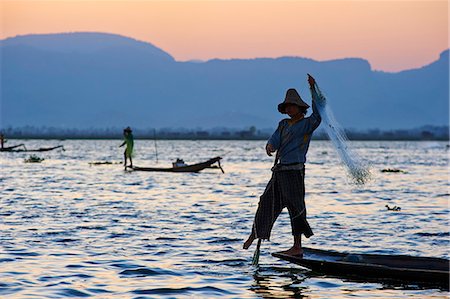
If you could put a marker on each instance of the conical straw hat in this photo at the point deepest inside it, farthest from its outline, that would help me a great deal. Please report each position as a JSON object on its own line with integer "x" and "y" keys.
{"x": 292, "y": 97}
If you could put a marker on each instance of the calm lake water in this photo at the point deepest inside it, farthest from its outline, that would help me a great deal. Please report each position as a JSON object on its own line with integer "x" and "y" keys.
{"x": 69, "y": 229}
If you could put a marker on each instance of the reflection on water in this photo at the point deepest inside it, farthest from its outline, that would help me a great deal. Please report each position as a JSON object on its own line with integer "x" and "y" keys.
{"x": 276, "y": 282}
{"x": 71, "y": 229}
{"x": 288, "y": 282}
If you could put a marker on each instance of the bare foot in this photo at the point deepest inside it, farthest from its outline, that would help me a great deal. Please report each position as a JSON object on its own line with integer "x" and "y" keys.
{"x": 297, "y": 251}
{"x": 249, "y": 242}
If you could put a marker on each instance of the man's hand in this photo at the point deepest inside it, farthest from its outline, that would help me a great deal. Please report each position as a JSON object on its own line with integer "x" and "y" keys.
{"x": 311, "y": 81}
{"x": 269, "y": 149}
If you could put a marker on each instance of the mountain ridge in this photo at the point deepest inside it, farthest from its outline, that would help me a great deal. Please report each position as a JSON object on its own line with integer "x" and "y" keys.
{"x": 139, "y": 84}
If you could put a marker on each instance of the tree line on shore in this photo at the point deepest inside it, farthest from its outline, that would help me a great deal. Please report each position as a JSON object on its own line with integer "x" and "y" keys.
{"x": 251, "y": 133}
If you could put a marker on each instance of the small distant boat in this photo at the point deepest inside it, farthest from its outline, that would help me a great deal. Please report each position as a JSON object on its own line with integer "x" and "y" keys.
{"x": 187, "y": 168}
{"x": 397, "y": 267}
{"x": 12, "y": 148}
{"x": 96, "y": 163}
{"x": 42, "y": 149}
{"x": 34, "y": 159}
{"x": 394, "y": 170}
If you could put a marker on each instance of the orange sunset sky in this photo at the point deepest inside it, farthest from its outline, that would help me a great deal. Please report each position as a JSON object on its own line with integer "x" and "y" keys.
{"x": 391, "y": 35}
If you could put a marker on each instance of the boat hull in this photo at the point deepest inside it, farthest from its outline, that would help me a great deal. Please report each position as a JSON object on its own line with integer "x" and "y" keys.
{"x": 396, "y": 267}
{"x": 42, "y": 149}
{"x": 189, "y": 168}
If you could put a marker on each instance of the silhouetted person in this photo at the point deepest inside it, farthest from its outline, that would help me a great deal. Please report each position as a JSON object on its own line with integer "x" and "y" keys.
{"x": 129, "y": 141}
{"x": 286, "y": 188}
{"x": 2, "y": 141}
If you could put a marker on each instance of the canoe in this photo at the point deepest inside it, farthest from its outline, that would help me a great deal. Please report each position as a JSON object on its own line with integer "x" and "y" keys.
{"x": 188, "y": 168}
{"x": 11, "y": 148}
{"x": 42, "y": 149}
{"x": 376, "y": 266}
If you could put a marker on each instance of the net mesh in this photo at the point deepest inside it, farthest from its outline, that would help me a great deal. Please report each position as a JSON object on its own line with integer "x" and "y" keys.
{"x": 358, "y": 170}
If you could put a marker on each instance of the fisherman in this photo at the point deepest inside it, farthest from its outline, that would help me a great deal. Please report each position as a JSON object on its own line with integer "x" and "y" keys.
{"x": 2, "y": 141}
{"x": 129, "y": 141}
{"x": 286, "y": 188}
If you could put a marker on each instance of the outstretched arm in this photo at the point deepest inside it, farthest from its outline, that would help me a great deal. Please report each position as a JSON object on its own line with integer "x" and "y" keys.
{"x": 315, "y": 118}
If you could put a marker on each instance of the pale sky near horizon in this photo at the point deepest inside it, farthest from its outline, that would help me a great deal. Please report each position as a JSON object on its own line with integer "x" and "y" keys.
{"x": 393, "y": 35}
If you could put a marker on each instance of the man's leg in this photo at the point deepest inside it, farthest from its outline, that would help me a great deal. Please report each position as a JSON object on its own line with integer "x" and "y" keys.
{"x": 269, "y": 208}
{"x": 294, "y": 197}
{"x": 296, "y": 249}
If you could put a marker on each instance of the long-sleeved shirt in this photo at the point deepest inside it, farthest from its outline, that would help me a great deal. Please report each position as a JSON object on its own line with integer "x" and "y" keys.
{"x": 292, "y": 140}
{"x": 129, "y": 141}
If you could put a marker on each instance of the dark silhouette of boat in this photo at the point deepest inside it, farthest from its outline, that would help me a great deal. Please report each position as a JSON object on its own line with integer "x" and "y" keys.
{"x": 12, "y": 148}
{"x": 404, "y": 268}
{"x": 24, "y": 149}
{"x": 188, "y": 168}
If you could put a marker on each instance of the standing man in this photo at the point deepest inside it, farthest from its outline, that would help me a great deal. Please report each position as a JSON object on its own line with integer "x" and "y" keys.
{"x": 286, "y": 188}
{"x": 2, "y": 141}
{"x": 129, "y": 141}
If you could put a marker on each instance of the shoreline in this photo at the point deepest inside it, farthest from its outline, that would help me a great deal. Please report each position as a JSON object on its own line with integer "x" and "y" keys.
{"x": 62, "y": 138}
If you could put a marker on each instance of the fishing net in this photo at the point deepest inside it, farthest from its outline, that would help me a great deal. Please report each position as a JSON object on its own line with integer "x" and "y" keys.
{"x": 358, "y": 169}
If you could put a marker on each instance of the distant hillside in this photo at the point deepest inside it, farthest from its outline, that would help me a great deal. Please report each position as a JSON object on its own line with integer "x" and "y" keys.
{"x": 86, "y": 42}
{"x": 81, "y": 80}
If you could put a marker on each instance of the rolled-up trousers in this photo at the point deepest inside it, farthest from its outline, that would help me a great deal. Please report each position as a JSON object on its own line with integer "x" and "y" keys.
{"x": 286, "y": 188}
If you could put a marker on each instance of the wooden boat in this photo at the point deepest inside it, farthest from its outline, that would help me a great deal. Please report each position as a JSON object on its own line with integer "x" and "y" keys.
{"x": 188, "y": 168}
{"x": 374, "y": 266}
{"x": 96, "y": 163}
{"x": 42, "y": 149}
{"x": 11, "y": 148}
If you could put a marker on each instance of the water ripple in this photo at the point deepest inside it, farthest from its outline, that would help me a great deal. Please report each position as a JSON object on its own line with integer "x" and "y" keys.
{"x": 186, "y": 290}
{"x": 69, "y": 230}
{"x": 148, "y": 272}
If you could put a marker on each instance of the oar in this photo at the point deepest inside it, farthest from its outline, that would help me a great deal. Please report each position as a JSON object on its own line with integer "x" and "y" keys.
{"x": 220, "y": 166}
{"x": 255, "y": 260}
{"x": 156, "y": 148}
{"x": 14, "y": 146}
